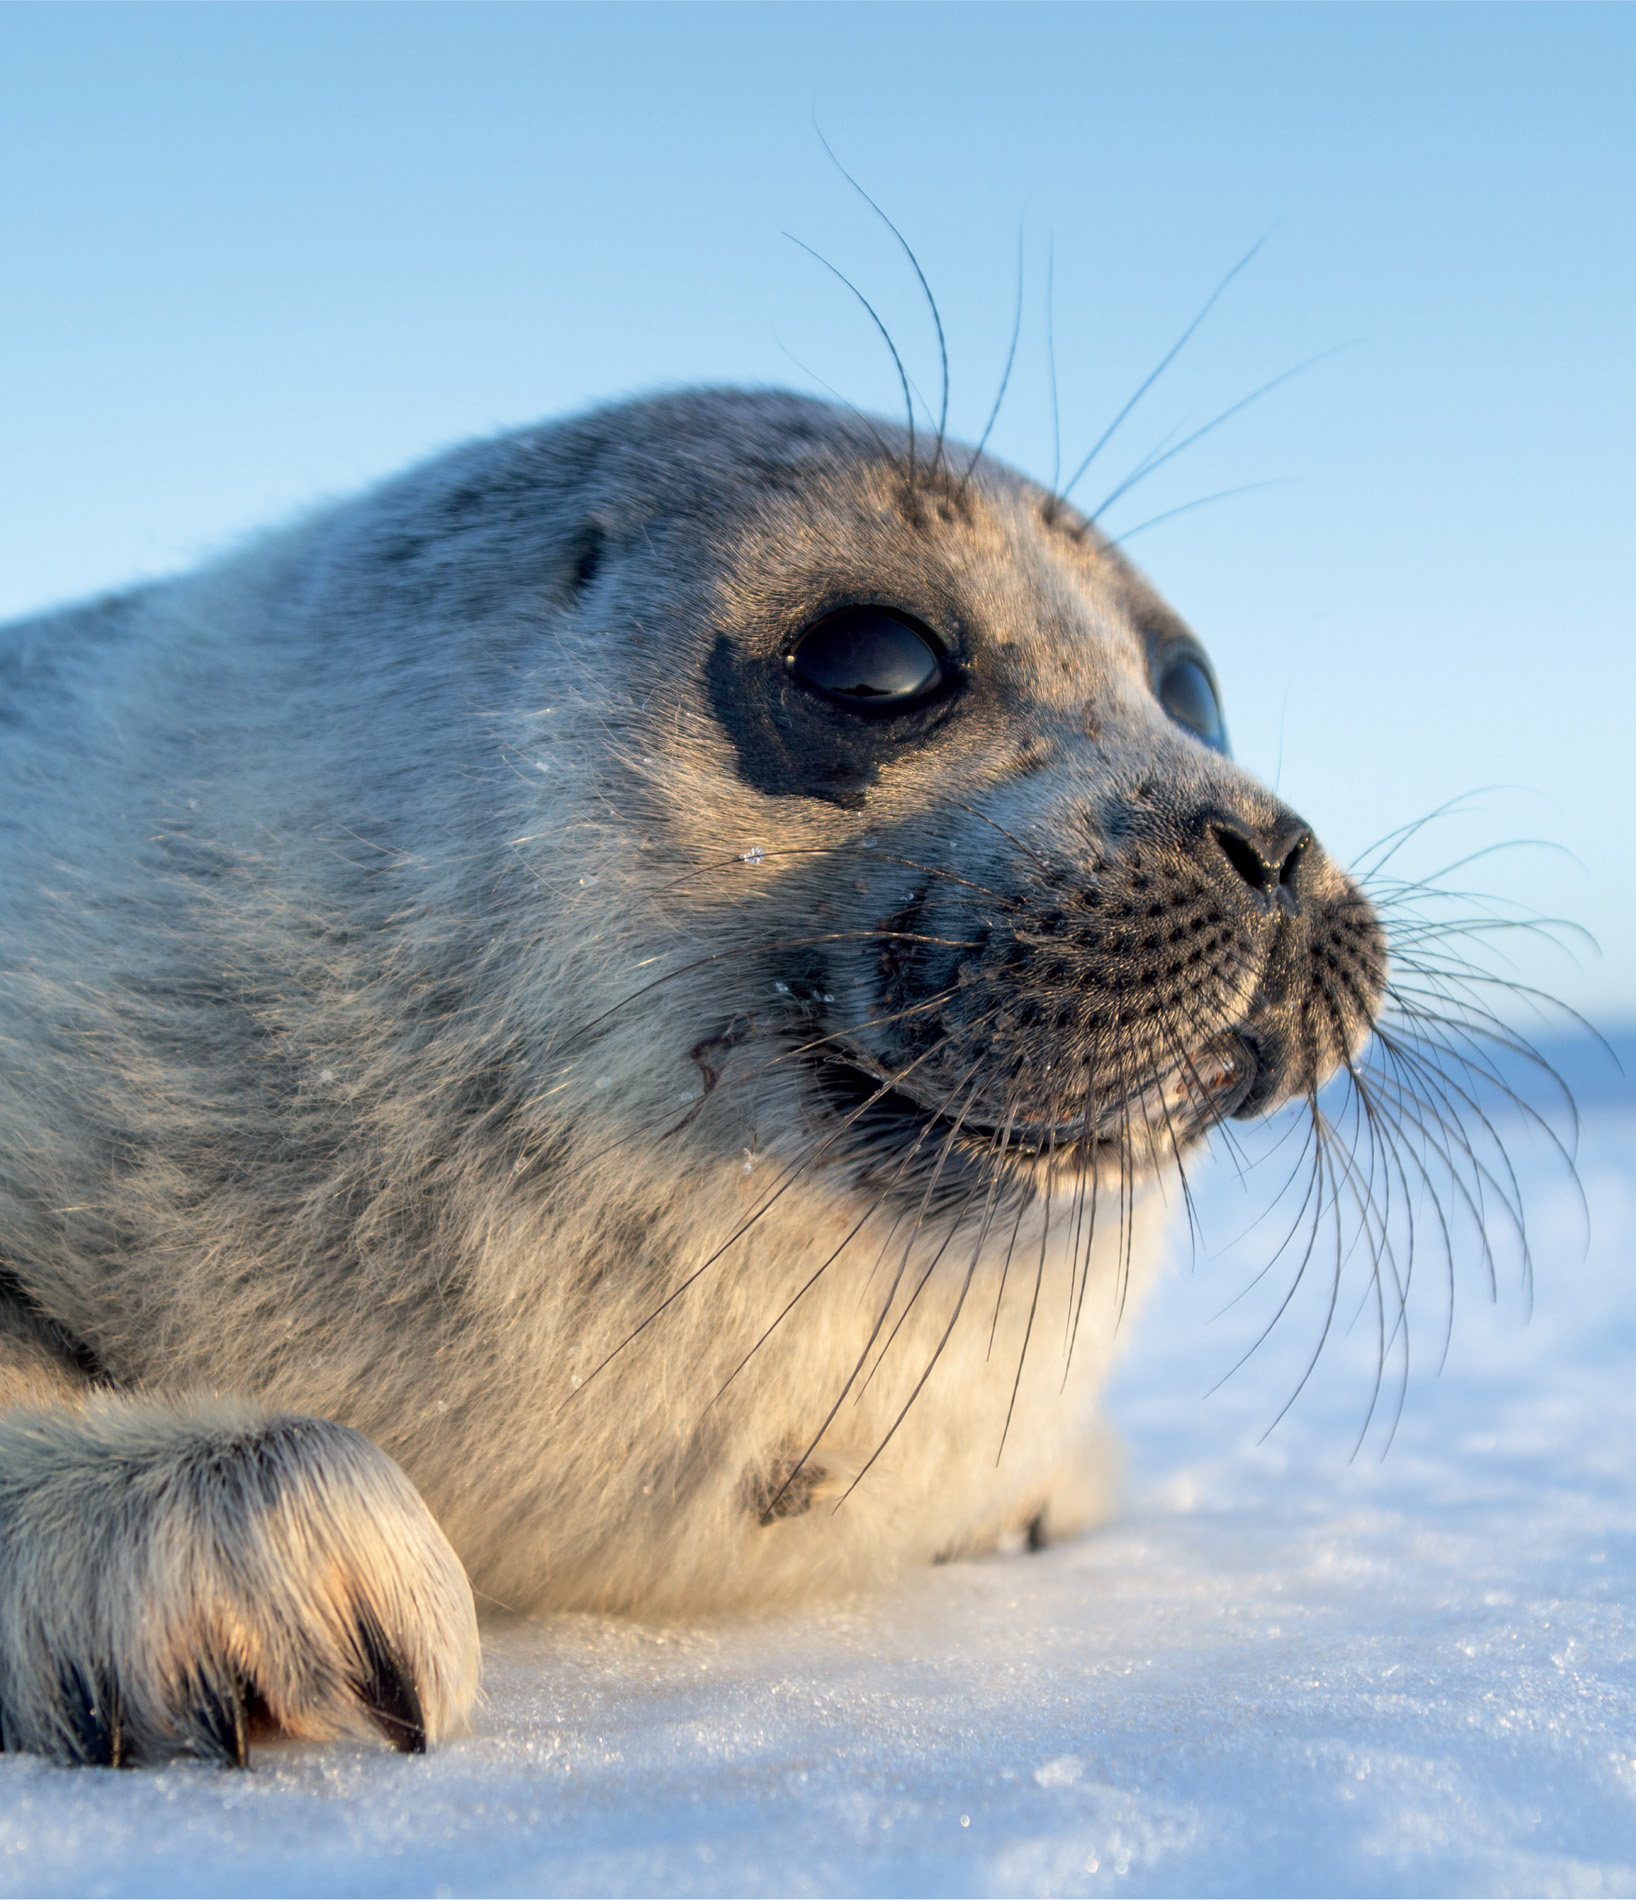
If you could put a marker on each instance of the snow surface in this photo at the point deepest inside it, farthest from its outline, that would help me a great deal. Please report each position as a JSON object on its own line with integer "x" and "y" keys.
{"x": 1277, "y": 1671}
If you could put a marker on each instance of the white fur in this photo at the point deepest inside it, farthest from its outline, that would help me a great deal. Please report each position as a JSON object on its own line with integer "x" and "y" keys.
{"x": 369, "y": 900}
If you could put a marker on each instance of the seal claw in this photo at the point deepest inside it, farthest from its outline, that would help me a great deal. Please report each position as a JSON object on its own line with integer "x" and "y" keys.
{"x": 220, "y": 1718}
{"x": 96, "y": 1733}
{"x": 387, "y": 1689}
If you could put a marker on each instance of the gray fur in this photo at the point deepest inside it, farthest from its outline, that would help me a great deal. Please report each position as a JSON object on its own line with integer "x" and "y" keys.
{"x": 424, "y": 934}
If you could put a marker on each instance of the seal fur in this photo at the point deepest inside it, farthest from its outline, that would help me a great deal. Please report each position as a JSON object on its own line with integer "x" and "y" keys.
{"x": 471, "y": 1011}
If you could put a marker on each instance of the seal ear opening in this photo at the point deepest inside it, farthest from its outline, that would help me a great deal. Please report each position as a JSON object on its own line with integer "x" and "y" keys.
{"x": 587, "y": 557}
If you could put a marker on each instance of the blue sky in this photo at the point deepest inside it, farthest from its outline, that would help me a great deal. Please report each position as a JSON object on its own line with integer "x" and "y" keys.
{"x": 255, "y": 256}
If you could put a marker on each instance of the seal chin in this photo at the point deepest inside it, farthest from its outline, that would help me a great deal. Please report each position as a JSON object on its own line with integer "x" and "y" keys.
{"x": 1144, "y": 1116}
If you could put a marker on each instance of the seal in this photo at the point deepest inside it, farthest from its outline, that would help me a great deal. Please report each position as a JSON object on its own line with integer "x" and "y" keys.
{"x": 605, "y": 1017}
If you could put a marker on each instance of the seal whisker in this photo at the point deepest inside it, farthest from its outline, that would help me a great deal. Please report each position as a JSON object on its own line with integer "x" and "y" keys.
{"x": 1187, "y": 507}
{"x": 1034, "y": 1299}
{"x": 886, "y": 338}
{"x": 862, "y": 1359}
{"x": 944, "y": 1151}
{"x": 1005, "y": 378}
{"x": 783, "y": 1055}
{"x": 754, "y": 949}
{"x": 1158, "y": 370}
{"x": 1159, "y": 458}
{"x": 936, "y": 1352}
{"x": 925, "y": 289}
{"x": 791, "y": 1175}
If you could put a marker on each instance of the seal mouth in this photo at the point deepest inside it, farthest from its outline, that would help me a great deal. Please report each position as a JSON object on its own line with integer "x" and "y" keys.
{"x": 1176, "y": 1105}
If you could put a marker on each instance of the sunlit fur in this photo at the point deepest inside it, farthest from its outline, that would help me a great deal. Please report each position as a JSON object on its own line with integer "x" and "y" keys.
{"x": 432, "y": 1001}
{"x": 176, "y": 1575}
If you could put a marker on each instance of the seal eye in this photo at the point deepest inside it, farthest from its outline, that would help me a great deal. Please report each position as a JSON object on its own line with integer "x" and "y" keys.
{"x": 1186, "y": 694}
{"x": 868, "y": 659}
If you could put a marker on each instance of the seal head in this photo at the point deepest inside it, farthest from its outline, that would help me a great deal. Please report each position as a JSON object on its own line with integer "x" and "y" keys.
{"x": 1042, "y": 914}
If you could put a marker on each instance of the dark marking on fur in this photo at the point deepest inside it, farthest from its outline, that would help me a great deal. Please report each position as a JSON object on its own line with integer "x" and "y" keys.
{"x": 737, "y": 1031}
{"x": 792, "y": 743}
{"x": 220, "y": 1719}
{"x": 91, "y": 1703}
{"x": 588, "y": 558}
{"x": 784, "y": 1489}
{"x": 57, "y": 1339}
{"x": 388, "y": 1690}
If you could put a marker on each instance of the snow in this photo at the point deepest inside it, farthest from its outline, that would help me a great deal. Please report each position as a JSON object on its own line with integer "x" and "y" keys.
{"x": 1281, "y": 1669}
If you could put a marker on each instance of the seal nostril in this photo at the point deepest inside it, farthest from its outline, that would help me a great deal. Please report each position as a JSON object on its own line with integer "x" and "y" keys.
{"x": 1292, "y": 863}
{"x": 1245, "y": 859}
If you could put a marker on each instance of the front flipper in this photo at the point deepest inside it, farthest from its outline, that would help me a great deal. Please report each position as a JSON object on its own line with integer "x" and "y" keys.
{"x": 171, "y": 1581}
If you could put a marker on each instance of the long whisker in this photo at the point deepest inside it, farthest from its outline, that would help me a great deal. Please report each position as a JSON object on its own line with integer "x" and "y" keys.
{"x": 863, "y": 1357}
{"x": 886, "y": 338}
{"x": 1005, "y": 375}
{"x": 791, "y": 1175}
{"x": 925, "y": 288}
{"x": 1159, "y": 369}
{"x": 1155, "y": 461}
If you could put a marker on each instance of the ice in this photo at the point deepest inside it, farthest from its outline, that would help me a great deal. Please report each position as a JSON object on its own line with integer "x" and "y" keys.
{"x": 1277, "y": 1671}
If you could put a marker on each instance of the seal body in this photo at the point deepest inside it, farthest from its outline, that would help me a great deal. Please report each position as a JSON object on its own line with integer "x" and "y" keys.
{"x": 654, "y": 974}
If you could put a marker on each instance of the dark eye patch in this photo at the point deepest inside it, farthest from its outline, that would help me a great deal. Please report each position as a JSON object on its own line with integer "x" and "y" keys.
{"x": 1187, "y": 695}
{"x": 869, "y": 660}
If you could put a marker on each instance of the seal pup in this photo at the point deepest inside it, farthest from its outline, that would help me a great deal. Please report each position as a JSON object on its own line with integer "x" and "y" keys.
{"x": 620, "y": 1015}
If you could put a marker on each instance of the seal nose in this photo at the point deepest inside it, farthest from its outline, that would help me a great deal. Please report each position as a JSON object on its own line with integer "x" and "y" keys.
{"x": 1268, "y": 860}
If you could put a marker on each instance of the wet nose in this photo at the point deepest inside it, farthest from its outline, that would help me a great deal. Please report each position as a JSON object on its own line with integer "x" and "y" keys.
{"x": 1266, "y": 858}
